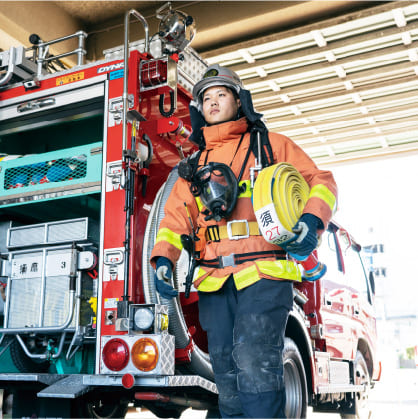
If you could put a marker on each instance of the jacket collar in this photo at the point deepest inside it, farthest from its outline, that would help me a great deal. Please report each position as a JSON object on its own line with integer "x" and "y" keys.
{"x": 216, "y": 135}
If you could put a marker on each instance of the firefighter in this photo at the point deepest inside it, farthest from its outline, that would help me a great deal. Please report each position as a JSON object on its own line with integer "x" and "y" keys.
{"x": 243, "y": 301}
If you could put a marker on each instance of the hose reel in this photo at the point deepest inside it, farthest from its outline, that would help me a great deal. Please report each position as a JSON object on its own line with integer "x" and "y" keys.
{"x": 279, "y": 196}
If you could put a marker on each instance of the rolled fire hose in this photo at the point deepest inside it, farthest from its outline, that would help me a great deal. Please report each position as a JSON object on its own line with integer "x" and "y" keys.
{"x": 279, "y": 196}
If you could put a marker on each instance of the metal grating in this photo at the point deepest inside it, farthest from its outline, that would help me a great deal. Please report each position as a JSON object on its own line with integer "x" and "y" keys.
{"x": 48, "y": 171}
{"x": 343, "y": 89}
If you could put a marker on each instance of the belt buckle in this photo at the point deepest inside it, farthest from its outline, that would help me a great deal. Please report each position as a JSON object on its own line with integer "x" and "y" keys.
{"x": 229, "y": 230}
{"x": 228, "y": 261}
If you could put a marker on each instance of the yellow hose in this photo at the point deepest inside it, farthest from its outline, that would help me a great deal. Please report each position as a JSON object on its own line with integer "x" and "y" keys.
{"x": 279, "y": 196}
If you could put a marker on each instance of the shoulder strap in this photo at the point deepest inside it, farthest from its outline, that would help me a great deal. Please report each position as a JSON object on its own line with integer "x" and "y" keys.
{"x": 258, "y": 128}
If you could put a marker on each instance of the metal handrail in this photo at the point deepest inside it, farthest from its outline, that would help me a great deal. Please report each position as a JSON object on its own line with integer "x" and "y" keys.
{"x": 8, "y": 76}
{"x": 44, "y": 355}
{"x": 125, "y": 66}
{"x": 80, "y": 51}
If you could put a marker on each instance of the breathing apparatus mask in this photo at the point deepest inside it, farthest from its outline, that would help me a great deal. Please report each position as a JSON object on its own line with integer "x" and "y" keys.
{"x": 215, "y": 184}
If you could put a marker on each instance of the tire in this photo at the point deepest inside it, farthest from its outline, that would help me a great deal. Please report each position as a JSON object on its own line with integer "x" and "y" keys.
{"x": 294, "y": 381}
{"x": 25, "y": 364}
{"x": 361, "y": 401}
{"x": 100, "y": 407}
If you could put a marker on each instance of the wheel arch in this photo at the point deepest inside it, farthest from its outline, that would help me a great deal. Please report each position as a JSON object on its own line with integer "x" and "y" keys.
{"x": 364, "y": 348}
{"x": 296, "y": 330}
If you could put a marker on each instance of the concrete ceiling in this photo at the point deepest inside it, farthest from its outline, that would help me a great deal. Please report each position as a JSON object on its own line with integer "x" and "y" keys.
{"x": 338, "y": 77}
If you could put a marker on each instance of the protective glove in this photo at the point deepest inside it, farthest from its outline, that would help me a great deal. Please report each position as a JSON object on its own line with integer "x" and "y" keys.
{"x": 163, "y": 274}
{"x": 306, "y": 240}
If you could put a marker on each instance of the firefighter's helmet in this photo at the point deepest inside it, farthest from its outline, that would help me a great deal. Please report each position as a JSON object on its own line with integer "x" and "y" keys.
{"x": 217, "y": 75}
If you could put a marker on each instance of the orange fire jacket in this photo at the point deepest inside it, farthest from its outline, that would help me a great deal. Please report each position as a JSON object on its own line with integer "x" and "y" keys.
{"x": 222, "y": 146}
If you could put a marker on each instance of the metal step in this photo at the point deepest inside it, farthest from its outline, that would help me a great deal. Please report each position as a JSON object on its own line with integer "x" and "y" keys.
{"x": 69, "y": 387}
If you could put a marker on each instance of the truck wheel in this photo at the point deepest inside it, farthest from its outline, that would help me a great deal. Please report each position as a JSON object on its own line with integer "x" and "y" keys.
{"x": 25, "y": 364}
{"x": 101, "y": 407}
{"x": 362, "y": 377}
{"x": 294, "y": 381}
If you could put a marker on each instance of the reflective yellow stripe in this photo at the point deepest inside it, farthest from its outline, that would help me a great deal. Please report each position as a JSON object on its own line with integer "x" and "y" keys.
{"x": 199, "y": 203}
{"x": 210, "y": 283}
{"x": 322, "y": 192}
{"x": 246, "y": 277}
{"x": 285, "y": 269}
{"x": 165, "y": 234}
{"x": 247, "y": 193}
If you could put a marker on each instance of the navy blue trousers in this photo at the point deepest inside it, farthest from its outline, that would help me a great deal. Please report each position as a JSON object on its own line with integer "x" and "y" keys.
{"x": 246, "y": 335}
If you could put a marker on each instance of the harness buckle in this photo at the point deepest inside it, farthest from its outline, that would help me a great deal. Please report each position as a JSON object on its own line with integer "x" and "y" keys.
{"x": 225, "y": 261}
{"x": 237, "y": 237}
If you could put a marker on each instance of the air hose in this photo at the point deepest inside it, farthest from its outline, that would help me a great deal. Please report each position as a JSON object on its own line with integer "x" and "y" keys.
{"x": 279, "y": 196}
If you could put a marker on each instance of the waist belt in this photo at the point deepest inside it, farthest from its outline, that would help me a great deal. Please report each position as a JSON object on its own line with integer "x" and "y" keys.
{"x": 235, "y": 259}
{"x": 233, "y": 230}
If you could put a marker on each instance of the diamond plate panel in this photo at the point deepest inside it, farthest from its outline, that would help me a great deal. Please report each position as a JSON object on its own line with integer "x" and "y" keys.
{"x": 167, "y": 354}
{"x": 192, "y": 381}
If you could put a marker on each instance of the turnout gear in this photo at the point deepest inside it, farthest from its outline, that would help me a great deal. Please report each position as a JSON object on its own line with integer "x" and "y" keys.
{"x": 163, "y": 275}
{"x": 240, "y": 326}
{"x": 222, "y": 142}
{"x": 242, "y": 309}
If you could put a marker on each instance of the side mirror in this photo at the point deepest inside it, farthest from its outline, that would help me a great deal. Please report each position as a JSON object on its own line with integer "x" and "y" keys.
{"x": 372, "y": 283}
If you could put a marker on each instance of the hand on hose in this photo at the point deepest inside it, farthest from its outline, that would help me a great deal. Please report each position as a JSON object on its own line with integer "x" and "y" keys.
{"x": 163, "y": 274}
{"x": 307, "y": 239}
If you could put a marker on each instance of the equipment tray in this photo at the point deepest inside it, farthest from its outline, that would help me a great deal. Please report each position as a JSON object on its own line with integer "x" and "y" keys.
{"x": 70, "y": 171}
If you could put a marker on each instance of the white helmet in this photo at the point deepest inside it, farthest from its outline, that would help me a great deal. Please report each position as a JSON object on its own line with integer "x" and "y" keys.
{"x": 216, "y": 75}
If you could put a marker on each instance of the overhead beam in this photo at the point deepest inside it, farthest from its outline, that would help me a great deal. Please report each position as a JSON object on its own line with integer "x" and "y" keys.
{"x": 343, "y": 135}
{"x": 369, "y": 8}
{"x": 368, "y": 155}
{"x": 20, "y": 19}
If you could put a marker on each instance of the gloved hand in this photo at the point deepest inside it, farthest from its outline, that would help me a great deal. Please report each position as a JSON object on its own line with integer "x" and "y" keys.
{"x": 163, "y": 274}
{"x": 306, "y": 240}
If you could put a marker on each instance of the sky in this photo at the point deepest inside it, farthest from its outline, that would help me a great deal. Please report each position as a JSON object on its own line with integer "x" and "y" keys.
{"x": 382, "y": 196}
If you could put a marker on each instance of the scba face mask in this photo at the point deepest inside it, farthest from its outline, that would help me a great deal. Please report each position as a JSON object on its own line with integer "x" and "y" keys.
{"x": 217, "y": 187}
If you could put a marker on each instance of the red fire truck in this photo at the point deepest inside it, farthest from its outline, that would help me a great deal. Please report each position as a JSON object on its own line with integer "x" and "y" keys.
{"x": 88, "y": 158}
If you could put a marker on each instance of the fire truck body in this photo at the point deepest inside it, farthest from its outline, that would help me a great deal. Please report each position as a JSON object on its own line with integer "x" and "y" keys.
{"x": 89, "y": 156}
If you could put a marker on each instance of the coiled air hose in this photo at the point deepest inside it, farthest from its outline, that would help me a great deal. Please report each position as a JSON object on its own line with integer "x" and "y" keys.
{"x": 279, "y": 196}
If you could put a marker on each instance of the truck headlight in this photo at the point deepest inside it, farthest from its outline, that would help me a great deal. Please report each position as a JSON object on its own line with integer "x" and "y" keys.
{"x": 143, "y": 318}
{"x": 148, "y": 319}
